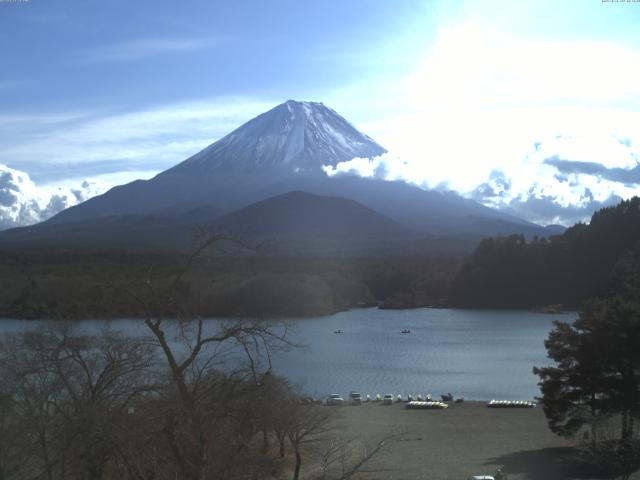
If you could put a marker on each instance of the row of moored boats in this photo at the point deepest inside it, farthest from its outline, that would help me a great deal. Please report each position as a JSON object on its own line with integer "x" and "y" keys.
{"x": 511, "y": 404}
{"x": 418, "y": 405}
{"x": 420, "y": 402}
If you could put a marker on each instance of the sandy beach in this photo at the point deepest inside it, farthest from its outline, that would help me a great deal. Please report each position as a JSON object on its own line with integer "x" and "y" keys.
{"x": 465, "y": 439}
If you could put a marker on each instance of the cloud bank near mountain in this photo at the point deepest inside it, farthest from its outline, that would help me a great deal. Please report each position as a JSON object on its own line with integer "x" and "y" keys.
{"x": 562, "y": 179}
{"x": 22, "y": 202}
{"x": 565, "y": 178}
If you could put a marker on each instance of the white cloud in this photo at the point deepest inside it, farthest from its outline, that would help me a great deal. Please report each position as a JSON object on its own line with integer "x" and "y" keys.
{"x": 482, "y": 98}
{"x": 377, "y": 167}
{"x": 22, "y": 202}
{"x": 519, "y": 174}
{"x": 144, "y": 47}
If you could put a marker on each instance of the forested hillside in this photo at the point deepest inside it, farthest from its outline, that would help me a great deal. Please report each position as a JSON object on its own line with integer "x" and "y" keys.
{"x": 112, "y": 286}
{"x": 511, "y": 272}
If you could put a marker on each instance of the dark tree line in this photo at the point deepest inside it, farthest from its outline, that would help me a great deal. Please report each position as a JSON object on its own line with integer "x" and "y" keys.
{"x": 513, "y": 272}
{"x": 72, "y": 286}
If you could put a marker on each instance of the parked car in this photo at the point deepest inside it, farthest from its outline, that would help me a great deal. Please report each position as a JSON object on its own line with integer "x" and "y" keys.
{"x": 388, "y": 399}
{"x": 481, "y": 477}
{"x": 335, "y": 399}
{"x": 355, "y": 398}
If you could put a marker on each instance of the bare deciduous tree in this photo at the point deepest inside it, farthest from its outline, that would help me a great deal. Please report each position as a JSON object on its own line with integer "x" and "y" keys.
{"x": 215, "y": 368}
{"x": 192, "y": 400}
{"x": 307, "y": 426}
{"x": 70, "y": 394}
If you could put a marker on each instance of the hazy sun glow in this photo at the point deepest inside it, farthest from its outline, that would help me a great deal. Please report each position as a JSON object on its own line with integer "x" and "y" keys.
{"x": 483, "y": 100}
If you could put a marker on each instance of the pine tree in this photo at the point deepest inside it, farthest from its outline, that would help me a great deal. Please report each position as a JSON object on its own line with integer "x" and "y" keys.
{"x": 597, "y": 372}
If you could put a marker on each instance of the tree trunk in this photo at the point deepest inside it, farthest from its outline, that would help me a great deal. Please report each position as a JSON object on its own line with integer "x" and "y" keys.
{"x": 594, "y": 422}
{"x": 296, "y": 472}
{"x": 169, "y": 431}
{"x": 625, "y": 424}
{"x": 45, "y": 454}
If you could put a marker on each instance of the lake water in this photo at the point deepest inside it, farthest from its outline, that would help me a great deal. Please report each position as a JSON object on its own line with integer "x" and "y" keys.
{"x": 478, "y": 354}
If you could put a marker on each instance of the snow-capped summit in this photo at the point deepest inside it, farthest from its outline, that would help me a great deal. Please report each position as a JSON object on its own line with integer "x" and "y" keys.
{"x": 294, "y": 137}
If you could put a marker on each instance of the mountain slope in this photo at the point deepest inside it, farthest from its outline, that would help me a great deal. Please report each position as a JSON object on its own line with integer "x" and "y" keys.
{"x": 294, "y": 222}
{"x": 119, "y": 233}
{"x": 302, "y": 215}
{"x": 441, "y": 213}
{"x": 294, "y": 137}
{"x": 284, "y": 150}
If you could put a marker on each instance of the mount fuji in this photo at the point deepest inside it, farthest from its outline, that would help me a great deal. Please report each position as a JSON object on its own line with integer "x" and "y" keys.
{"x": 280, "y": 151}
{"x": 299, "y": 137}
{"x": 288, "y": 145}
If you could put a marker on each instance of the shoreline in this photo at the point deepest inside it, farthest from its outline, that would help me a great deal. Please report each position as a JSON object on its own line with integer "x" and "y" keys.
{"x": 302, "y": 317}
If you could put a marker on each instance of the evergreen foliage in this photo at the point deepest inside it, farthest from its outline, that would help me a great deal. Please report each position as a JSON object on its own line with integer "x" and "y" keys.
{"x": 597, "y": 373}
{"x": 511, "y": 272}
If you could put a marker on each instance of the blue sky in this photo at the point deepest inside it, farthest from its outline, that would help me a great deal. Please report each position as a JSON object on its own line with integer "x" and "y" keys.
{"x": 531, "y": 107}
{"x": 135, "y": 55}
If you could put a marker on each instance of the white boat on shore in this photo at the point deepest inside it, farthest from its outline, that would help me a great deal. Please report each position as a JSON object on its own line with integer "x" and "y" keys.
{"x": 511, "y": 404}
{"x": 416, "y": 405}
